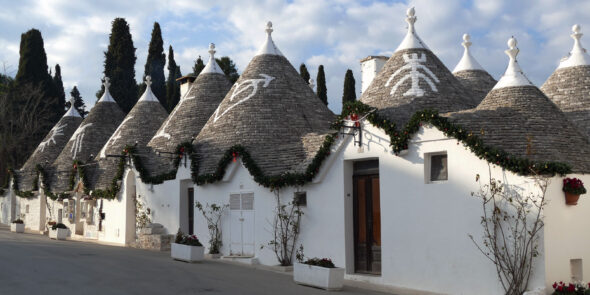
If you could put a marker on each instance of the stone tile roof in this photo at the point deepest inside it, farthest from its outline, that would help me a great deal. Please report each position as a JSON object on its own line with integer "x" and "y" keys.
{"x": 522, "y": 121}
{"x": 138, "y": 127}
{"x": 192, "y": 112}
{"x": 86, "y": 142}
{"x": 48, "y": 150}
{"x": 270, "y": 111}
{"x": 569, "y": 89}
{"x": 479, "y": 82}
{"x": 413, "y": 80}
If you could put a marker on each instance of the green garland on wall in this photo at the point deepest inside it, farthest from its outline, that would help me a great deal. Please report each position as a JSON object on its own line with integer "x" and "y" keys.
{"x": 399, "y": 139}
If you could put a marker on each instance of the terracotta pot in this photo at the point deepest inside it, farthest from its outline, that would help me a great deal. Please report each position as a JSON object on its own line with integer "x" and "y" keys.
{"x": 571, "y": 199}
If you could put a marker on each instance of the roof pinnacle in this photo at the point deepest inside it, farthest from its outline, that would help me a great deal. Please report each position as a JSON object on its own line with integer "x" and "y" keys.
{"x": 269, "y": 29}
{"x": 106, "y": 82}
{"x": 514, "y": 75}
{"x": 212, "y": 66}
{"x": 106, "y": 96}
{"x": 269, "y": 46}
{"x": 311, "y": 84}
{"x": 411, "y": 40}
{"x": 72, "y": 112}
{"x": 466, "y": 41}
{"x": 577, "y": 56}
{"x": 148, "y": 80}
{"x": 212, "y": 49}
{"x": 467, "y": 62}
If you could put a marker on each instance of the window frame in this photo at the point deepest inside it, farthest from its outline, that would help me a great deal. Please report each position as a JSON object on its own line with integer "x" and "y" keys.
{"x": 428, "y": 167}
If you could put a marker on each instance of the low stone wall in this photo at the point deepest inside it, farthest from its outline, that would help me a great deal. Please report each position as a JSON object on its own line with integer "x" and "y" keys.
{"x": 152, "y": 237}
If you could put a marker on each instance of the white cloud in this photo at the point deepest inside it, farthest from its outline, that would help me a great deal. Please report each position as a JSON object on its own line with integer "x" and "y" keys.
{"x": 335, "y": 33}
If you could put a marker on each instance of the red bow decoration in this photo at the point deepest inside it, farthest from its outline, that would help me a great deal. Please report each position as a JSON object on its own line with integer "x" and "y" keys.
{"x": 75, "y": 166}
{"x": 234, "y": 154}
{"x": 181, "y": 150}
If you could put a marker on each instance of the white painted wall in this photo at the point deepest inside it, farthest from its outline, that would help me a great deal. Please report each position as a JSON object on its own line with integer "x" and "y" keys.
{"x": 425, "y": 227}
{"x": 7, "y": 206}
{"x": 34, "y": 219}
{"x": 566, "y": 233}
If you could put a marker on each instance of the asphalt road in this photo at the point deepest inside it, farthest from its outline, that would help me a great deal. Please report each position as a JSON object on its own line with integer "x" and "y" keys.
{"x": 34, "y": 264}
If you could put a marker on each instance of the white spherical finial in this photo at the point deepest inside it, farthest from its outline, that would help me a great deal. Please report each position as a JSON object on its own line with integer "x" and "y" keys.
{"x": 311, "y": 83}
{"x": 106, "y": 82}
{"x": 212, "y": 49}
{"x": 576, "y": 28}
{"x": 148, "y": 80}
{"x": 411, "y": 12}
{"x": 512, "y": 42}
{"x": 269, "y": 27}
{"x": 411, "y": 18}
{"x": 513, "y": 51}
{"x": 72, "y": 100}
{"x": 466, "y": 43}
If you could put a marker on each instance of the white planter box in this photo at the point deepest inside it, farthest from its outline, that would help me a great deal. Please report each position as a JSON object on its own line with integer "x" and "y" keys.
{"x": 58, "y": 234}
{"x": 17, "y": 227}
{"x": 187, "y": 253}
{"x": 320, "y": 277}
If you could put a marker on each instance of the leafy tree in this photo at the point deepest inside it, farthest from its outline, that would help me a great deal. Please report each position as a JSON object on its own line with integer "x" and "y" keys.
{"x": 172, "y": 86}
{"x": 349, "y": 93}
{"x": 229, "y": 68}
{"x": 59, "y": 85}
{"x": 198, "y": 67}
{"x": 78, "y": 102}
{"x": 304, "y": 73}
{"x": 322, "y": 91}
{"x": 154, "y": 65}
{"x": 119, "y": 66}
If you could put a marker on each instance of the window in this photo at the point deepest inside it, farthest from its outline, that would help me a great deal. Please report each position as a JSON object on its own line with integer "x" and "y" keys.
{"x": 437, "y": 167}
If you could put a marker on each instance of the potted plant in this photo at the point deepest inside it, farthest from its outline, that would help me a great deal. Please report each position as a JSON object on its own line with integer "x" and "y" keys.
{"x": 573, "y": 188}
{"x": 574, "y": 289}
{"x": 187, "y": 248}
{"x": 17, "y": 226}
{"x": 317, "y": 272}
{"x": 58, "y": 231}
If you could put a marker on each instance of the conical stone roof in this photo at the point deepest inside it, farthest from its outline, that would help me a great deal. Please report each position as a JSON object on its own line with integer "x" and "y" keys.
{"x": 194, "y": 109}
{"x": 518, "y": 118}
{"x": 138, "y": 127}
{"x": 471, "y": 74}
{"x": 50, "y": 147}
{"x": 569, "y": 86}
{"x": 414, "y": 79}
{"x": 88, "y": 139}
{"x": 271, "y": 112}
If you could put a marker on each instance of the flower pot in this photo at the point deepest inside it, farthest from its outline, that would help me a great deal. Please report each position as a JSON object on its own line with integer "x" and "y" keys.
{"x": 187, "y": 253}
{"x": 58, "y": 234}
{"x": 317, "y": 276}
{"x": 17, "y": 227}
{"x": 571, "y": 199}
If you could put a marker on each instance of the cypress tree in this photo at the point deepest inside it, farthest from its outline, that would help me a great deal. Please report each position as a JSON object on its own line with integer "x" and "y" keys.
{"x": 229, "y": 68}
{"x": 59, "y": 85}
{"x": 119, "y": 66}
{"x": 349, "y": 93}
{"x": 154, "y": 65}
{"x": 78, "y": 102}
{"x": 304, "y": 73}
{"x": 172, "y": 86}
{"x": 322, "y": 91}
{"x": 198, "y": 67}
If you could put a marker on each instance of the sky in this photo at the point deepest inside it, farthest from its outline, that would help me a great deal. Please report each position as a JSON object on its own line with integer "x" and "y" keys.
{"x": 334, "y": 33}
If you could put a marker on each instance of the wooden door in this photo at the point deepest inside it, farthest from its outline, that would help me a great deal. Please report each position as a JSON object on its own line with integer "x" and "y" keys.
{"x": 191, "y": 211}
{"x": 367, "y": 224}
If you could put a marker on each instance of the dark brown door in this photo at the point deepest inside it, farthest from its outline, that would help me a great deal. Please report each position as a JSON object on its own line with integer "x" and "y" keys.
{"x": 367, "y": 224}
{"x": 191, "y": 210}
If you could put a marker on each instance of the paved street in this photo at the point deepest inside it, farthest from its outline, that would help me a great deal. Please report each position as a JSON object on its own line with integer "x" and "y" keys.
{"x": 34, "y": 264}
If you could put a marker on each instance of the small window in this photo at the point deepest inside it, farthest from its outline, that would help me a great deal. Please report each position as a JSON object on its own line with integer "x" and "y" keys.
{"x": 300, "y": 199}
{"x": 438, "y": 167}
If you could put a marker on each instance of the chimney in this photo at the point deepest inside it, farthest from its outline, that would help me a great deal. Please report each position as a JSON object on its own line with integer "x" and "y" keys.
{"x": 185, "y": 84}
{"x": 370, "y": 67}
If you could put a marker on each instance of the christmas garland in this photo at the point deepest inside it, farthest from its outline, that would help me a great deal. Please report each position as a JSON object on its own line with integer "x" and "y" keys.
{"x": 111, "y": 192}
{"x": 270, "y": 181}
{"x": 399, "y": 139}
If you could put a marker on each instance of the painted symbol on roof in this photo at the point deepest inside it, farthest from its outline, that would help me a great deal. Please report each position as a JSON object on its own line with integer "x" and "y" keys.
{"x": 241, "y": 88}
{"x": 114, "y": 137}
{"x": 413, "y": 63}
{"x": 57, "y": 130}
{"x": 78, "y": 137}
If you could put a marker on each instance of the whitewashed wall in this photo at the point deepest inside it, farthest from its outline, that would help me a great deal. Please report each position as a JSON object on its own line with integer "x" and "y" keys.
{"x": 425, "y": 227}
{"x": 566, "y": 233}
{"x": 7, "y": 206}
{"x": 34, "y": 219}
